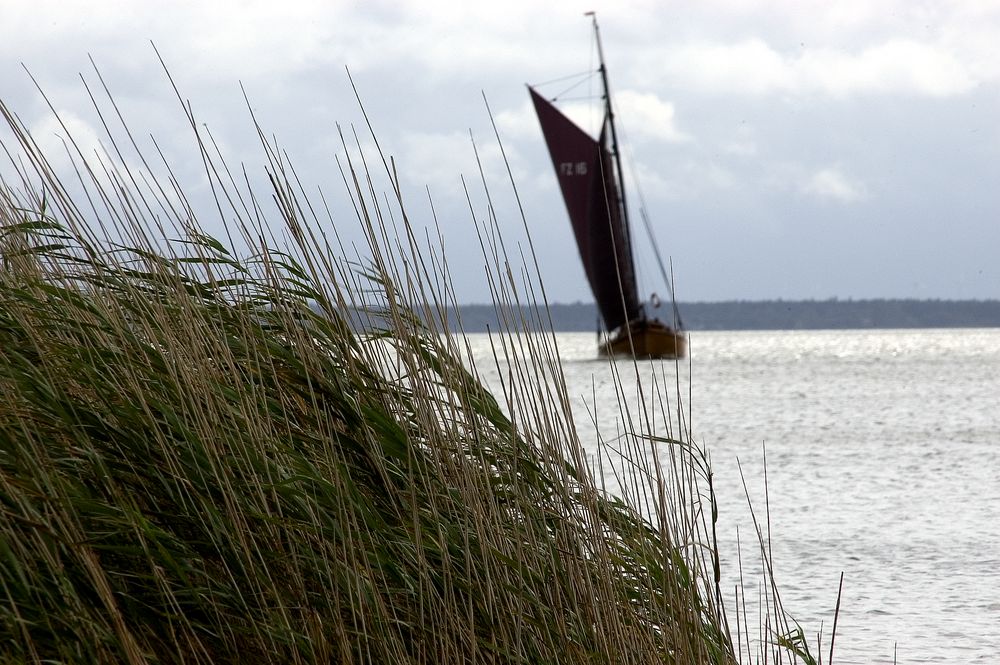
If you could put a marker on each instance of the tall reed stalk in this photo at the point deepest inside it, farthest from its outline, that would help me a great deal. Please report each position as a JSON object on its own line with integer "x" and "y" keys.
{"x": 279, "y": 455}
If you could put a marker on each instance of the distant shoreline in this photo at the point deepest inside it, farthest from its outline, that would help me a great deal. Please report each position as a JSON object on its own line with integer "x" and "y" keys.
{"x": 774, "y": 315}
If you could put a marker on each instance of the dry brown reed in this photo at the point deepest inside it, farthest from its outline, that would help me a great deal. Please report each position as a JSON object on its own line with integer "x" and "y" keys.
{"x": 205, "y": 458}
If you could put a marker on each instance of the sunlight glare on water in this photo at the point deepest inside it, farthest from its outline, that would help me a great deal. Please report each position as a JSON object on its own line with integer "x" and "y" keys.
{"x": 883, "y": 462}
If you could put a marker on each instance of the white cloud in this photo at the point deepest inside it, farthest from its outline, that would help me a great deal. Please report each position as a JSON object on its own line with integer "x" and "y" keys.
{"x": 754, "y": 67}
{"x": 832, "y": 183}
{"x": 646, "y": 115}
{"x": 519, "y": 122}
{"x": 739, "y": 148}
{"x": 749, "y": 66}
{"x": 58, "y": 141}
{"x": 440, "y": 161}
{"x": 896, "y": 66}
{"x": 765, "y": 143}
{"x": 642, "y": 115}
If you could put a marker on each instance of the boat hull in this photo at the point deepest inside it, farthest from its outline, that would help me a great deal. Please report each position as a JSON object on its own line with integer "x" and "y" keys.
{"x": 649, "y": 339}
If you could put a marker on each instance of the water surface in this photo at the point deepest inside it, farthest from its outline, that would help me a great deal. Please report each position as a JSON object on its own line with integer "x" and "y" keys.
{"x": 883, "y": 462}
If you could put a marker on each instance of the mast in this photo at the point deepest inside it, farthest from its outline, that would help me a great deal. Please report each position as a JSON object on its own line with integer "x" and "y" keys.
{"x": 585, "y": 169}
{"x": 614, "y": 139}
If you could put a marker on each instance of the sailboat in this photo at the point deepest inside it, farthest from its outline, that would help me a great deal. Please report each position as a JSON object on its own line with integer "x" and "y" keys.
{"x": 590, "y": 177}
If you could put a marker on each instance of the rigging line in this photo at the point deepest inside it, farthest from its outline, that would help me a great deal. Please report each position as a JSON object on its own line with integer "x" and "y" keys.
{"x": 583, "y": 76}
{"x": 649, "y": 228}
{"x": 581, "y": 98}
{"x": 560, "y": 97}
{"x": 659, "y": 260}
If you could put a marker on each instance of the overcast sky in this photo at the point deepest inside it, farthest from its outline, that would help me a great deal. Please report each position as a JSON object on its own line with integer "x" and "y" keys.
{"x": 785, "y": 149}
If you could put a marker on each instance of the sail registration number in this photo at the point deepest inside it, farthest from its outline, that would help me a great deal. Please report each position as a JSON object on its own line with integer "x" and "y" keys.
{"x": 572, "y": 168}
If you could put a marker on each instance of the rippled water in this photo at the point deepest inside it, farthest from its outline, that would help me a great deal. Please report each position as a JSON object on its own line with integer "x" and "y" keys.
{"x": 883, "y": 462}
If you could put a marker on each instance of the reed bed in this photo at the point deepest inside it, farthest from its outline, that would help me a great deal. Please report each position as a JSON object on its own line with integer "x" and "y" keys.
{"x": 279, "y": 455}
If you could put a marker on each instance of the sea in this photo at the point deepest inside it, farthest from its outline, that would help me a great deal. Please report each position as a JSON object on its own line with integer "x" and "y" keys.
{"x": 868, "y": 456}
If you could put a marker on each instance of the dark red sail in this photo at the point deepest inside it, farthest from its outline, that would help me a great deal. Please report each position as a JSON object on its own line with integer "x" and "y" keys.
{"x": 586, "y": 177}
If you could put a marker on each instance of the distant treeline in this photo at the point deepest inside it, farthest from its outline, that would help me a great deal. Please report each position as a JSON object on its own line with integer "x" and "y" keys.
{"x": 777, "y": 315}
